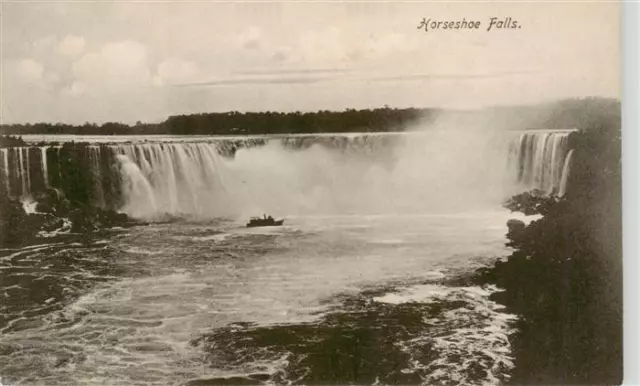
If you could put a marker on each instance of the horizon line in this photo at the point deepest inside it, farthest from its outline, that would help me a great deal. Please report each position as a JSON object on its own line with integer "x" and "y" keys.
{"x": 435, "y": 108}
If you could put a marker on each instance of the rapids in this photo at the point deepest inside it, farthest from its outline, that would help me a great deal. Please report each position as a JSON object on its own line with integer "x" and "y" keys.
{"x": 141, "y": 306}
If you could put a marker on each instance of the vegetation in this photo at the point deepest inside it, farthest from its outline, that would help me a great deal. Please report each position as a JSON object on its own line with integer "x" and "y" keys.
{"x": 565, "y": 114}
{"x": 564, "y": 277}
{"x": 350, "y": 120}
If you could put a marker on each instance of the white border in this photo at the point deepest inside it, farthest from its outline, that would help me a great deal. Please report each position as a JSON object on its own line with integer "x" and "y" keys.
{"x": 630, "y": 172}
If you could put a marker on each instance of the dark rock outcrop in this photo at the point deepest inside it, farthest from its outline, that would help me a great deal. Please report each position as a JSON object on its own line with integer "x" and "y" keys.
{"x": 20, "y": 228}
{"x": 564, "y": 277}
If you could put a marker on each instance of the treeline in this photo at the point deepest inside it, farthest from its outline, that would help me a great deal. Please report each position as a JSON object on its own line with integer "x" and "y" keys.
{"x": 563, "y": 114}
{"x": 564, "y": 278}
{"x": 350, "y": 120}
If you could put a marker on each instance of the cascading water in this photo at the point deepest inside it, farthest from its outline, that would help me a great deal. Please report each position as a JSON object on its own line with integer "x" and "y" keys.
{"x": 45, "y": 172}
{"x": 5, "y": 168}
{"x": 540, "y": 161}
{"x": 136, "y": 185}
{"x": 376, "y": 226}
{"x": 566, "y": 169}
{"x": 24, "y": 177}
{"x": 294, "y": 174}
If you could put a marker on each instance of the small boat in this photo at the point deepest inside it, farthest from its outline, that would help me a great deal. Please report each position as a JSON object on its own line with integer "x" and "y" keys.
{"x": 263, "y": 222}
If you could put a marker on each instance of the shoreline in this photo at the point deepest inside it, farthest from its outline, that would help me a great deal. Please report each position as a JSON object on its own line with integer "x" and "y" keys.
{"x": 564, "y": 278}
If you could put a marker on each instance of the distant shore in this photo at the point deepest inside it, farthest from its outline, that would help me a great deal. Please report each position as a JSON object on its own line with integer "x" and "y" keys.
{"x": 558, "y": 115}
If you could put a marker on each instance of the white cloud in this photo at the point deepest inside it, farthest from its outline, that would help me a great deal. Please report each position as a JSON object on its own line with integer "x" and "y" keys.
{"x": 251, "y": 38}
{"x": 175, "y": 71}
{"x": 126, "y": 48}
{"x": 117, "y": 65}
{"x": 44, "y": 44}
{"x": 75, "y": 89}
{"x": 390, "y": 44}
{"x": 71, "y": 45}
{"x": 50, "y": 78}
{"x": 30, "y": 71}
{"x": 327, "y": 46}
{"x": 333, "y": 47}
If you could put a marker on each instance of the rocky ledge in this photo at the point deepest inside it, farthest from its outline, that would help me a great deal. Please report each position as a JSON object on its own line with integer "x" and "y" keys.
{"x": 22, "y": 221}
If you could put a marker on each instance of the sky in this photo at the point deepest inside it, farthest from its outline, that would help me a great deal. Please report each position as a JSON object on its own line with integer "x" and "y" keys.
{"x": 78, "y": 62}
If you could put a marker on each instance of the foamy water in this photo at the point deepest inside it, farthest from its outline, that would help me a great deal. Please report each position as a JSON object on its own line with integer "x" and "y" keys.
{"x": 127, "y": 309}
{"x": 355, "y": 288}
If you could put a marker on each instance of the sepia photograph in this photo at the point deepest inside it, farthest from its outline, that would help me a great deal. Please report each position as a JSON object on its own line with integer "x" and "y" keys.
{"x": 200, "y": 193}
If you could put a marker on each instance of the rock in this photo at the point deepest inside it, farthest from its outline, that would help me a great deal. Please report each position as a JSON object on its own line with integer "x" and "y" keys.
{"x": 52, "y": 223}
{"x": 516, "y": 232}
{"x": 43, "y": 207}
{"x": 515, "y": 225}
{"x": 82, "y": 220}
{"x": 18, "y": 227}
{"x": 88, "y": 219}
{"x": 37, "y": 222}
{"x": 53, "y": 202}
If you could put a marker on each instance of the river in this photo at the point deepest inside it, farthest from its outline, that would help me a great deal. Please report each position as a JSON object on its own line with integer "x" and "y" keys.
{"x": 366, "y": 285}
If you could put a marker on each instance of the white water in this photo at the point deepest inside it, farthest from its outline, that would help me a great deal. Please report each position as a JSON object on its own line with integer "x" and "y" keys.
{"x": 5, "y": 167}
{"x": 179, "y": 281}
{"x": 189, "y": 175}
{"x": 421, "y": 174}
{"x": 29, "y": 205}
{"x": 541, "y": 158}
{"x": 45, "y": 169}
{"x": 425, "y": 209}
{"x": 470, "y": 335}
{"x": 566, "y": 169}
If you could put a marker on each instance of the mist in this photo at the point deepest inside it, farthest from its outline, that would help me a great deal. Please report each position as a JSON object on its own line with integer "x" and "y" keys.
{"x": 455, "y": 163}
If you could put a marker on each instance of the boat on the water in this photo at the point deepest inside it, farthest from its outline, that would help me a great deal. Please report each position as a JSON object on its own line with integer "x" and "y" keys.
{"x": 263, "y": 222}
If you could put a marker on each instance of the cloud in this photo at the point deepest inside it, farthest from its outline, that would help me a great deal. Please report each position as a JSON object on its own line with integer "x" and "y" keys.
{"x": 75, "y": 89}
{"x": 335, "y": 47}
{"x": 326, "y": 46}
{"x": 175, "y": 70}
{"x": 295, "y": 71}
{"x": 412, "y": 77}
{"x": 71, "y": 46}
{"x": 256, "y": 81}
{"x": 388, "y": 44}
{"x": 305, "y": 76}
{"x": 117, "y": 65}
{"x": 251, "y": 39}
{"x": 43, "y": 45}
{"x": 28, "y": 75}
{"x": 295, "y": 54}
{"x": 30, "y": 71}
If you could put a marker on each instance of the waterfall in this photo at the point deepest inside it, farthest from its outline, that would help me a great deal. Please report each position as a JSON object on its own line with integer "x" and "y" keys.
{"x": 141, "y": 195}
{"x": 5, "y": 169}
{"x": 541, "y": 161}
{"x": 566, "y": 169}
{"x": 45, "y": 171}
{"x": 216, "y": 176}
{"x": 23, "y": 172}
{"x": 94, "y": 159}
{"x": 27, "y": 173}
{"x": 179, "y": 177}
